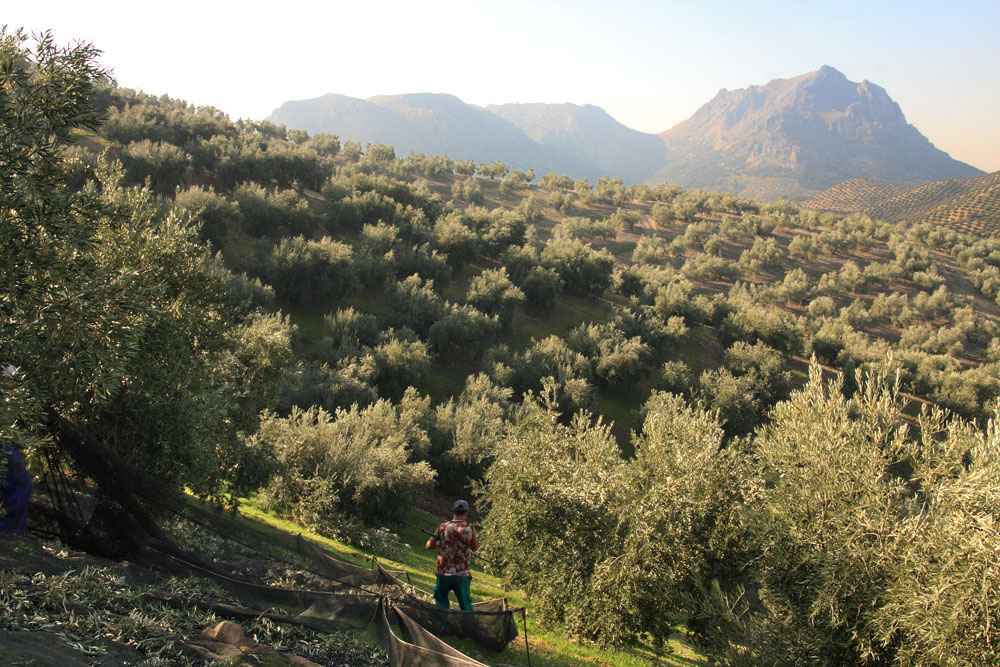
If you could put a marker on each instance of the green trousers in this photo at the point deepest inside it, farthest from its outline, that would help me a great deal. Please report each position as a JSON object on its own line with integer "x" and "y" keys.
{"x": 461, "y": 584}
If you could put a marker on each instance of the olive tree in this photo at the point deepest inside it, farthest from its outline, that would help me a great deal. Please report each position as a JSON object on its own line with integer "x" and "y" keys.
{"x": 357, "y": 461}
{"x": 493, "y": 293}
{"x": 415, "y": 304}
{"x": 867, "y": 516}
{"x": 541, "y": 287}
{"x": 218, "y": 215}
{"x": 311, "y": 272}
{"x": 614, "y": 548}
{"x": 469, "y": 429}
{"x": 583, "y": 269}
{"x": 105, "y": 277}
{"x": 462, "y": 333}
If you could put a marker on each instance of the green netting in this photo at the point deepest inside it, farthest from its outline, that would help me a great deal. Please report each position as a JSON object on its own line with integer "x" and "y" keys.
{"x": 491, "y": 624}
{"x": 355, "y": 592}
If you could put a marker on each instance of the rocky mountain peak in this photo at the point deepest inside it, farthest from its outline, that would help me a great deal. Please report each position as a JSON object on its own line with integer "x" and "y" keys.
{"x": 798, "y": 135}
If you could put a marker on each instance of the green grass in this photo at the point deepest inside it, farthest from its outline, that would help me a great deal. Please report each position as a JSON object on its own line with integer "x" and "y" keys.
{"x": 701, "y": 350}
{"x": 446, "y": 381}
{"x": 623, "y": 413}
{"x": 568, "y": 312}
{"x": 549, "y": 646}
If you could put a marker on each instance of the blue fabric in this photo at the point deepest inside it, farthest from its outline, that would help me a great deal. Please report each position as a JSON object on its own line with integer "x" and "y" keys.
{"x": 15, "y": 491}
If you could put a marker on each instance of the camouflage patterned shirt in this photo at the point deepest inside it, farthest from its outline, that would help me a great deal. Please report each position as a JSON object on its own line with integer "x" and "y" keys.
{"x": 456, "y": 541}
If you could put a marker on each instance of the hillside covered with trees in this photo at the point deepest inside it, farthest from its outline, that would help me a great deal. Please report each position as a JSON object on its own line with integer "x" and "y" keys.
{"x": 769, "y": 425}
{"x": 970, "y": 205}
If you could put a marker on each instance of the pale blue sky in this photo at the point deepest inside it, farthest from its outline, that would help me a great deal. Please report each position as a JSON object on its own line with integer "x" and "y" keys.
{"x": 649, "y": 64}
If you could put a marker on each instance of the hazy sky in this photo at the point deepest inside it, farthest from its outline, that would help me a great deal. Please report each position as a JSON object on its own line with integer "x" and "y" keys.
{"x": 649, "y": 64}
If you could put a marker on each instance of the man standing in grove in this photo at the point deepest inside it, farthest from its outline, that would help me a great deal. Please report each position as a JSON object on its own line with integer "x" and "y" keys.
{"x": 15, "y": 480}
{"x": 455, "y": 541}
{"x": 15, "y": 489}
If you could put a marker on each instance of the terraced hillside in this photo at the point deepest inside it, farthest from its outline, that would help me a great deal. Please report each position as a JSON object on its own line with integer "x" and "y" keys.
{"x": 605, "y": 255}
{"x": 969, "y": 205}
{"x": 326, "y": 337}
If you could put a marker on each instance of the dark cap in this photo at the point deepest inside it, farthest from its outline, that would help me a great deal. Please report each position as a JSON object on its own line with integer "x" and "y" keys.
{"x": 460, "y": 507}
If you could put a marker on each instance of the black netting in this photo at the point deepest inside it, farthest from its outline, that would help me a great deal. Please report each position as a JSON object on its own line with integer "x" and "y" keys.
{"x": 111, "y": 512}
{"x": 491, "y": 624}
{"x": 352, "y": 608}
{"x": 421, "y": 648}
{"x": 325, "y": 564}
{"x": 355, "y": 591}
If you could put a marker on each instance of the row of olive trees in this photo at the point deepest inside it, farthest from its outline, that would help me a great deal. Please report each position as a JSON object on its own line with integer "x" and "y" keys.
{"x": 935, "y": 330}
{"x": 330, "y": 467}
{"x": 837, "y": 534}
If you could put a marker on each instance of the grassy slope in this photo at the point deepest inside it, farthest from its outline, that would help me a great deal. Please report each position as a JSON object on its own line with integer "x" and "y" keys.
{"x": 549, "y": 647}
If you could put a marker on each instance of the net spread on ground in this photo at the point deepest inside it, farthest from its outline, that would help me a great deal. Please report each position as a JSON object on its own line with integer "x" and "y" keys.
{"x": 344, "y": 595}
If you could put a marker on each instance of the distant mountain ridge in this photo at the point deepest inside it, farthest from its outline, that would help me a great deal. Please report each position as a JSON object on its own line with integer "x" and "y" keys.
{"x": 588, "y": 135}
{"x": 788, "y": 138}
{"x": 420, "y": 123}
